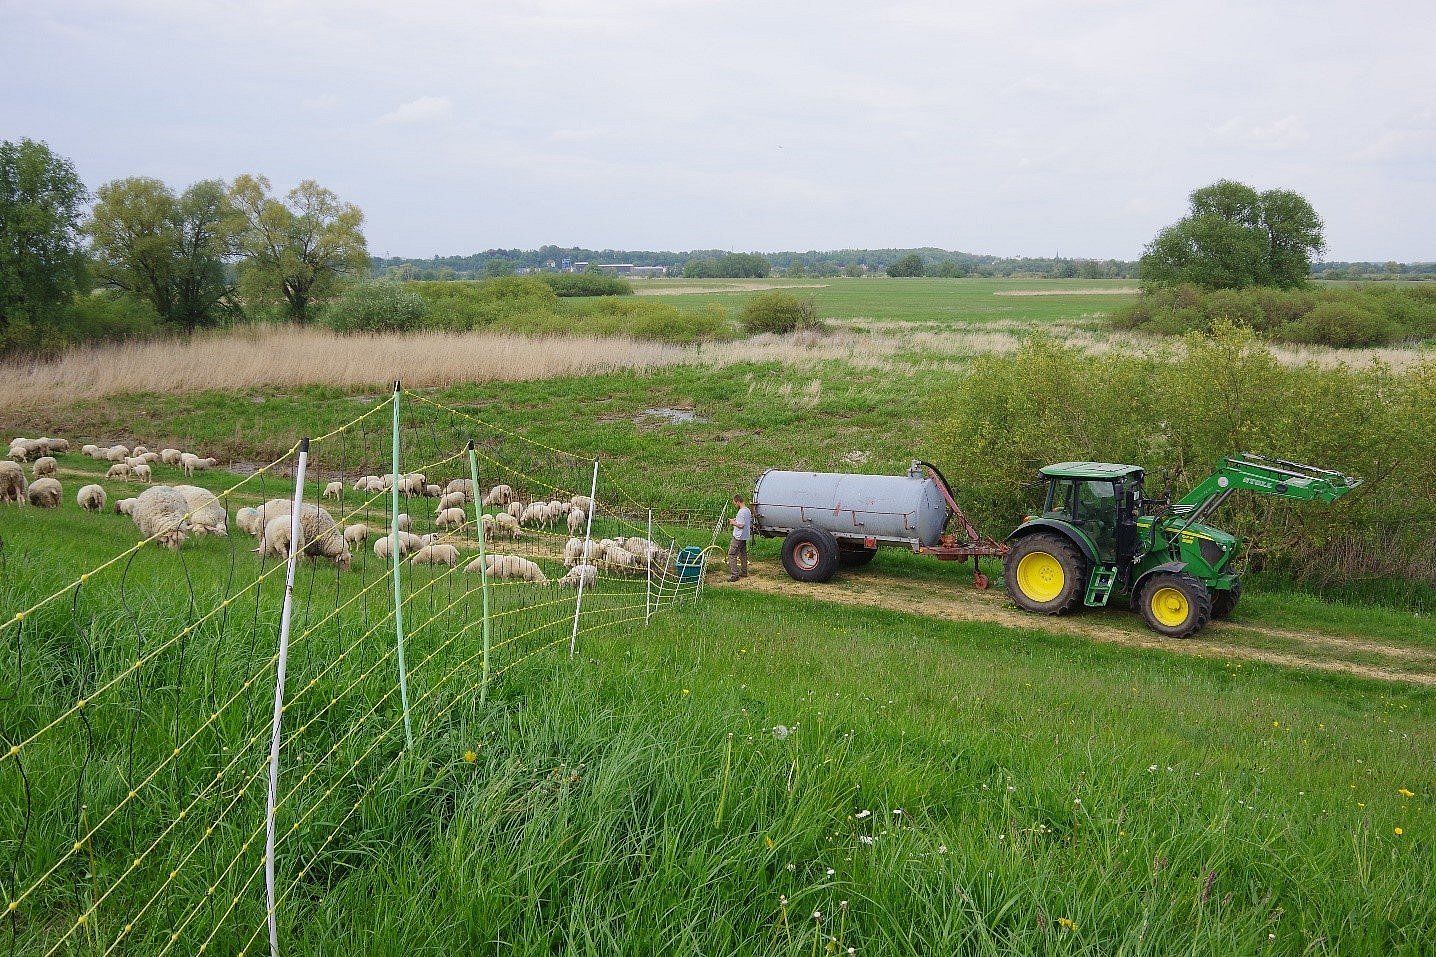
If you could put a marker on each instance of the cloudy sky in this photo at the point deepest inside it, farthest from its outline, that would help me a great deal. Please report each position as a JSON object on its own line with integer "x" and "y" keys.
{"x": 1020, "y": 128}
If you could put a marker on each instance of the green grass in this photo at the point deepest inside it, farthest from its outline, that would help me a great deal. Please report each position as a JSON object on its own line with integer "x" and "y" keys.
{"x": 1159, "y": 803}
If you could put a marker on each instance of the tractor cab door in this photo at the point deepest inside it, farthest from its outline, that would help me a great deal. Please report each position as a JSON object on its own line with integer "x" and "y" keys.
{"x": 1092, "y": 506}
{"x": 1129, "y": 506}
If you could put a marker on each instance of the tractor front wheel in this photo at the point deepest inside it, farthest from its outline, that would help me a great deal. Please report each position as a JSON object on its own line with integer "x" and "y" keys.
{"x": 1045, "y": 574}
{"x": 1225, "y": 602}
{"x": 1175, "y": 604}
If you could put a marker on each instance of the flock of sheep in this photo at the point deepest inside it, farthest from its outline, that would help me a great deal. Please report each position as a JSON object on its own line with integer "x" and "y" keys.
{"x": 170, "y": 514}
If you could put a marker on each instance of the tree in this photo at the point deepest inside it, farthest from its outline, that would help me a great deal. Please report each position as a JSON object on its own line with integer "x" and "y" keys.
{"x": 299, "y": 250}
{"x": 947, "y": 269}
{"x": 1234, "y": 236}
{"x": 41, "y": 265}
{"x": 498, "y": 267}
{"x": 908, "y": 266}
{"x": 165, "y": 249}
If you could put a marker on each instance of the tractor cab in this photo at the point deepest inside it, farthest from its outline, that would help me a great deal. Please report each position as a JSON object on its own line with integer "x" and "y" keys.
{"x": 1100, "y": 500}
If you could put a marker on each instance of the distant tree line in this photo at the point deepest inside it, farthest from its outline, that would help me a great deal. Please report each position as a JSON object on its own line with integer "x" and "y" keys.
{"x": 138, "y": 257}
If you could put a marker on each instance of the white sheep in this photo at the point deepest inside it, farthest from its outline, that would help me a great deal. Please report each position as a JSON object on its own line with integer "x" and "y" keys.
{"x": 356, "y": 534}
{"x": 206, "y": 512}
{"x": 117, "y": 453}
{"x": 119, "y": 470}
{"x": 247, "y": 519}
{"x": 384, "y": 545}
{"x": 404, "y": 522}
{"x": 102, "y": 455}
{"x": 159, "y": 513}
{"x": 433, "y": 491}
{"x": 125, "y": 506}
{"x": 537, "y": 513}
{"x": 89, "y": 450}
{"x": 451, "y": 516}
{"x": 149, "y": 458}
{"x": 13, "y": 487}
{"x": 501, "y": 525}
{"x": 515, "y": 509}
{"x": 442, "y": 554}
{"x": 463, "y": 485}
{"x": 91, "y": 498}
{"x": 575, "y": 553}
{"x": 58, "y": 445}
{"x": 193, "y": 463}
{"x": 255, "y": 519}
{"x": 587, "y": 574}
{"x": 22, "y": 450}
{"x": 499, "y": 495}
{"x": 170, "y": 456}
{"x": 320, "y": 536}
{"x": 576, "y": 519}
{"x": 620, "y": 558}
{"x": 139, "y": 450}
{"x": 509, "y": 567}
{"x": 581, "y": 501}
{"x": 44, "y": 465}
{"x": 560, "y": 508}
{"x": 369, "y": 483}
{"x": 141, "y": 472}
{"x": 452, "y": 500}
{"x": 413, "y": 483}
{"x": 334, "y": 490}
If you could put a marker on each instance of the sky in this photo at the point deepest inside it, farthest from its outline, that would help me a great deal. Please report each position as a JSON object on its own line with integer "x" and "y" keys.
{"x": 1015, "y": 128}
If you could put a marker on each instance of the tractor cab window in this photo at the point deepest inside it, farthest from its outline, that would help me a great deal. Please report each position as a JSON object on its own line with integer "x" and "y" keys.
{"x": 1090, "y": 505}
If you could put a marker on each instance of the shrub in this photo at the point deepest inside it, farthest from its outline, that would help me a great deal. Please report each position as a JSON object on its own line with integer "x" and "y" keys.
{"x": 472, "y": 305}
{"x": 634, "y": 318}
{"x": 1338, "y": 324}
{"x": 376, "y": 307}
{"x": 778, "y": 312}
{"x": 585, "y": 284}
{"x": 103, "y": 315}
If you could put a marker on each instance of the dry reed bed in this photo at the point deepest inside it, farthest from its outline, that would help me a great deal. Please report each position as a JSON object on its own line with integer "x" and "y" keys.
{"x": 278, "y": 357}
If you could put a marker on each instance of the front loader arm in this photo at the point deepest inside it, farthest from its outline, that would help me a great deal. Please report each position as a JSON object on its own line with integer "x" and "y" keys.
{"x": 1265, "y": 476}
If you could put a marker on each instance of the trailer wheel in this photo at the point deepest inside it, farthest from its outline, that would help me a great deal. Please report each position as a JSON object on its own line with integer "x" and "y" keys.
{"x": 856, "y": 557}
{"x": 1175, "y": 604}
{"x": 810, "y": 554}
{"x": 1045, "y": 574}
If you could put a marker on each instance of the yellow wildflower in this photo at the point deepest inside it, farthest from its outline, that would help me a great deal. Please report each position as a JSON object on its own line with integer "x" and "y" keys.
{"x": 1406, "y": 794}
{"x": 1067, "y": 923}
{"x": 470, "y": 757}
{"x": 1397, "y": 831}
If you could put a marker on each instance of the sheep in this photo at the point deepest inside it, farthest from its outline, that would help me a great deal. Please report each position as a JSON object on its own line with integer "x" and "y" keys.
{"x": 384, "y": 545}
{"x": 170, "y": 456}
{"x": 117, "y": 453}
{"x": 404, "y": 522}
{"x": 334, "y": 490}
{"x": 638, "y": 546}
{"x": 501, "y": 525}
{"x": 320, "y": 537}
{"x": 134, "y": 460}
{"x": 538, "y": 513}
{"x": 587, "y": 574}
{"x": 574, "y": 552}
{"x": 413, "y": 483}
{"x": 51, "y": 446}
{"x": 576, "y": 519}
{"x": 21, "y": 450}
{"x": 619, "y": 557}
{"x": 193, "y": 463}
{"x": 246, "y": 518}
{"x": 141, "y": 472}
{"x": 436, "y": 555}
{"x": 508, "y": 567}
{"x": 515, "y": 509}
{"x": 356, "y": 534}
{"x": 89, "y": 450}
{"x": 98, "y": 453}
{"x": 125, "y": 506}
{"x": 159, "y": 513}
{"x": 255, "y": 519}
{"x": 582, "y": 501}
{"x": 119, "y": 470}
{"x": 12, "y": 483}
{"x": 433, "y": 491}
{"x": 464, "y": 485}
{"x": 44, "y": 465}
{"x": 560, "y": 508}
{"x": 139, "y": 450}
{"x": 149, "y": 458}
{"x": 91, "y": 498}
{"x": 451, "y": 500}
{"x": 499, "y": 495}
{"x": 206, "y": 513}
{"x": 450, "y": 516}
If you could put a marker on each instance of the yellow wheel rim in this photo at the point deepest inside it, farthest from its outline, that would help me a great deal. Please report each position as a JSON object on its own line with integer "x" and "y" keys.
{"x": 1170, "y": 607}
{"x": 1040, "y": 576}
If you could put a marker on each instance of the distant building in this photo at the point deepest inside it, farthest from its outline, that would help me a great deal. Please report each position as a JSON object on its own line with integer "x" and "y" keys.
{"x": 626, "y": 269}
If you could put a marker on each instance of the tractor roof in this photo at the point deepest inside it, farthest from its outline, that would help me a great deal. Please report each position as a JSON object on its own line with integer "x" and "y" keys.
{"x": 1089, "y": 470}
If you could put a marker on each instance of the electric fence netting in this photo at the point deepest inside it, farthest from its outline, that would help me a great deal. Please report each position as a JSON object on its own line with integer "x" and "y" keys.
{"x": 192, "y": 740}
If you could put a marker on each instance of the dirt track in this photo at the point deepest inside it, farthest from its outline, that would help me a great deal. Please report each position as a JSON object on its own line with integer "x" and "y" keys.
{"x": 1319, "y": 651}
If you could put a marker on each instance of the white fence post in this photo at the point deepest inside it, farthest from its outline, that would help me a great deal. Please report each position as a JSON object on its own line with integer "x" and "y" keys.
{"x": 648, "y": 586}
{"x": 587, "y": 538}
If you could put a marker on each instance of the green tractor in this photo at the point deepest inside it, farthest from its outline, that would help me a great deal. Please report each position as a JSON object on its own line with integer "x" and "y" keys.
{"x": 1096, "y": 538}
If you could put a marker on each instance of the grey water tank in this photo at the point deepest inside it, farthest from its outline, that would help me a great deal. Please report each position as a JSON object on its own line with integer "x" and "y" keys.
{"x": 894, "y": 509}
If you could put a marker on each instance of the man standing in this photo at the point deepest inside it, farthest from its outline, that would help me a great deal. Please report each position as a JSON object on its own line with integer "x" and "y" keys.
{"x": 742, "y": 531}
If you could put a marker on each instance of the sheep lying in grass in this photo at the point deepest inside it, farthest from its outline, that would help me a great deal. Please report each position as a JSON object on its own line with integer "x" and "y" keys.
{"x": 452, "y": 500}
{"x": 141, "y": 472}
{"x": 159, "y": 513}
{"x": 320, "y": 537}
{"x": 12, "y": 483}
{"x": 170, "y": 456}
{"x": 206, "y": 512}
{"x": 193, "y": 463}
{"x": 356, "y": 534}
{"x": 587, "y": 574}
{"x": 117, "y": 453}
{"x": 441, "y": 554}
{"x": 577, "y": 518}
{"x": 582, "y": 501}
{"x": 499, "y": 495}
{"x": 510, "y": 567}
{"x": 451, "y": 517}
{"x": 44, "y": 465}
{"x": 91, "y": 498}
{"x": 334, "y": 490}
{"x": 120, "y": 470}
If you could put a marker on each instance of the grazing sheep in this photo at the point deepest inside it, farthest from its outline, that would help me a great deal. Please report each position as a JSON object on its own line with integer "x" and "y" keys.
{"x": 320, "y": 536}
{"x": 170, "y": 456}
{"x": 587, "y": 574}
{"x": 44, "y": 465}
{"x": 574, "y": 552}
{"x": 515, "y": 509}
{"x": 508, "y": 567}
{"x": 91, "y": 498}
{"x": 117, "y": 453}
{"x": 638, "y": 546}
{"x": 125, "y": 506}
{"x": 206, "y": 512}
{"x": 98, "y": 453}
{"x": 499, "y": 495}
{"x": 56, "y": 445}
{"x": 149, "y": 458}
{"x": 369, "y": 483}
{"x": 433, "y": 491}
{"x": 582, "y": 501}
{"x": 159, "y": 513}
{"x": 141, "y": 472}
{"x": 21, "y": 450}
{"x": 538, "y": 513}
{"x": 619, "y": 558}
{"x": 450, "y": 516}
{"x": 383, "y": 546}
{"x": 119, "y": 470}
{"x": 502, "y": 526}
{"x": 404, "y": 522}
{"x": 334, "y": 490}
{"x": 12, "y": 483}
{"x": 247, "y": 518}
{"x": 193, "y": 463}
{"x": 576, "y": 519}
{"x": 255, "y": 520}
{"x": 463, "y": 485}
{"x": 89, "y": 450}
{"x": 560, "y": 508}
{"x": 139, "y": 450}
{"x": 452, "y": 500}
{"x": 436, "y": 555}
{"x": 356, "y": 534}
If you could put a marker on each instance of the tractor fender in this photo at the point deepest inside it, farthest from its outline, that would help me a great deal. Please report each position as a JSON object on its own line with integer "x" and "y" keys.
{"x": 1164, "y": 567}
{"x": 1075, "y": 536}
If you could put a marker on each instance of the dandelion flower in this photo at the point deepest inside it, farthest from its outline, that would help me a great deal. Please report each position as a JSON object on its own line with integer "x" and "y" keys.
{"x": 1067, "y": 923}
{"x": 470, "y": 757}
{"x": 685, "y": 690}
{"x": 1406, "y": 794}
{"x": 768, "y": 841}
{"x": 1397, "y": 831}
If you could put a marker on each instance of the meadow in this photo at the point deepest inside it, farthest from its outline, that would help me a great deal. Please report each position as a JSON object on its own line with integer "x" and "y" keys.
{"x": 894, "y": 764}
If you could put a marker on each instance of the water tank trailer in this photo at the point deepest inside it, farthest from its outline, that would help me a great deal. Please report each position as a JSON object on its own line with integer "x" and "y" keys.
{"x": 832, "y": 520}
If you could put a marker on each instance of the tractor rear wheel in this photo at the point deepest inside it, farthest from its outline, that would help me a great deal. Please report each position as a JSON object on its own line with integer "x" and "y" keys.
{"x": 810, "y": 554}
{"x": 1175, "y": 604}
{"x": 1045, "y": 574}
{"x": 1225, "y": 602}
{"x": 856, "y": 557}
